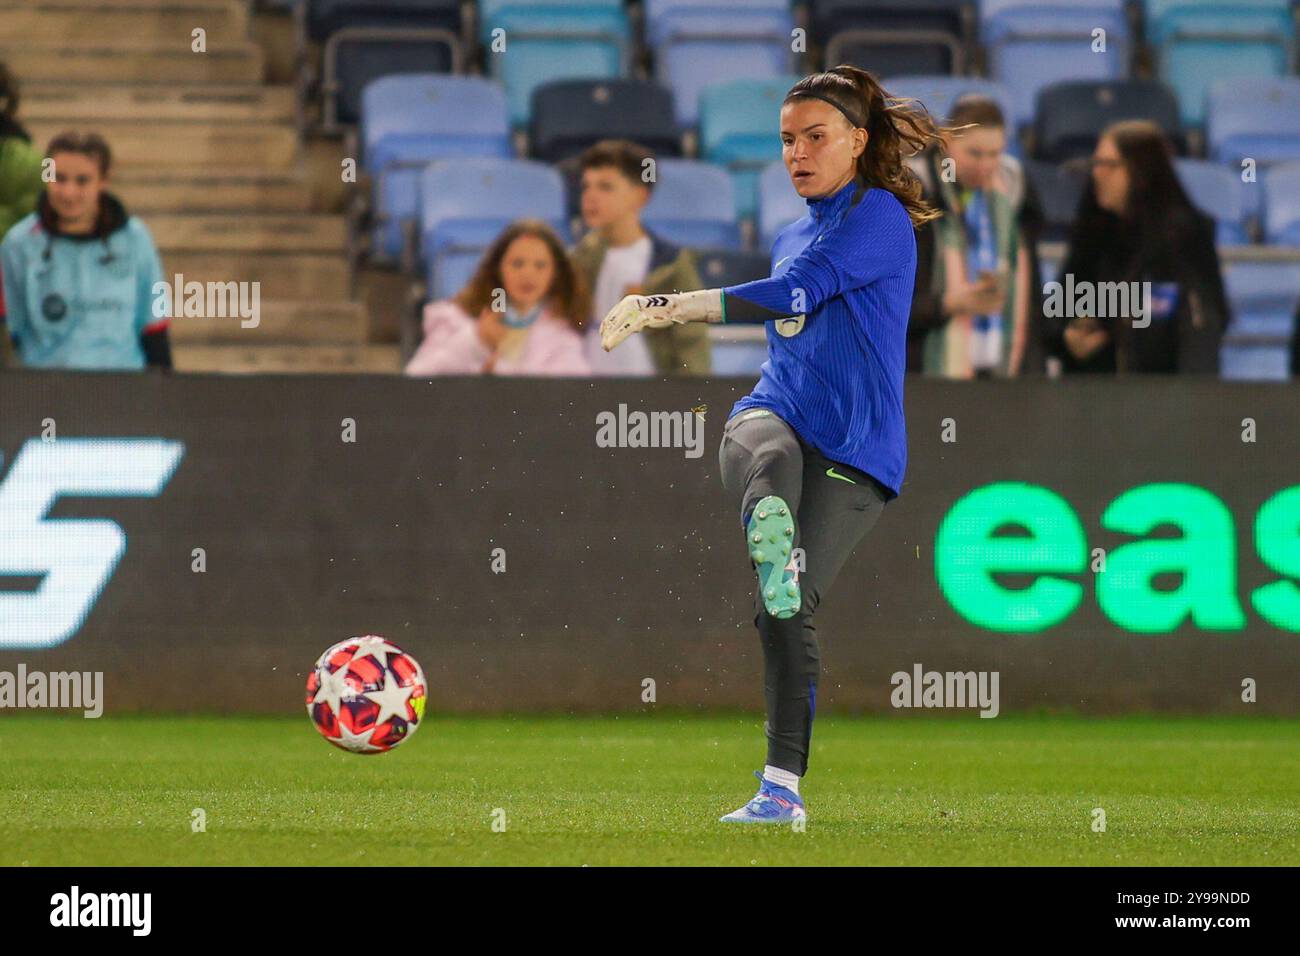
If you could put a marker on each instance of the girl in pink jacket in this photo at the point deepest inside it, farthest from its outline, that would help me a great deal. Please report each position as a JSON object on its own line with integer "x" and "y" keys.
{"x": 521, "y": 313}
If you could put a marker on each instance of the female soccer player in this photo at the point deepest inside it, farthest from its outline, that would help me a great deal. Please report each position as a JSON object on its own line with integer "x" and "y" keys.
{"x": 814, "y": 453}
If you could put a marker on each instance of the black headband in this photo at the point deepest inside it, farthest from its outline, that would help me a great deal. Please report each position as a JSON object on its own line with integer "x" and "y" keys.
{"x": 826, "y": 99}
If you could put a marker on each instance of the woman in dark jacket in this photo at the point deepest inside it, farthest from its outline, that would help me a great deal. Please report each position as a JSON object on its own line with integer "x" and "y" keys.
{"x": 1136, "y": 226}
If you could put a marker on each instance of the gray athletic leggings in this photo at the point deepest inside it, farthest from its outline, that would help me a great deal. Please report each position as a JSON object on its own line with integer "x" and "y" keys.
{"x": 761, "y": 455}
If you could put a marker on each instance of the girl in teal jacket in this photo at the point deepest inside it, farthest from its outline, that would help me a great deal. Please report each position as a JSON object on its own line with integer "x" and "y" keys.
{"x": 79, "y": 272}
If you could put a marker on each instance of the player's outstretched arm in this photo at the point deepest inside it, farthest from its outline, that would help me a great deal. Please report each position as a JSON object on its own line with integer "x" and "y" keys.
{"x": 636, "y": 312}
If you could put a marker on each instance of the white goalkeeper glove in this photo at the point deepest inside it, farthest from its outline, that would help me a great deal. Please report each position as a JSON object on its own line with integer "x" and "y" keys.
{"x": 636, "y": 312}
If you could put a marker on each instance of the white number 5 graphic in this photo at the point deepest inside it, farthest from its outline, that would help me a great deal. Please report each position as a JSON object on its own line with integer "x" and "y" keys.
{"x": 75, "y": 556}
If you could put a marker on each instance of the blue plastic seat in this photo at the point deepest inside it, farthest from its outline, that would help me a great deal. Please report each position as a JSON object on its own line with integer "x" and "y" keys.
{"x": 411, "y": 120}
{"x": 1263, "y": 295}
{"x": 1256, "y": 118}
{"x": 656, "y": 9}
{"x": 545, "y": 43}
{"x": 892, "y": 36}
{"x": 1219, "y": 193}
{"x": 719, "y": 268}
{"x": 938, "y": 93}
{"x": 488, "y": 9}
{"x": 1282, "y": 204}
{"x": 366, "y": 39}
{"x": 567, "y": 116}
{"x": 1071, "y": 116}
{"x": 464, "y": 205}
{"x": 1242, "y": 361}
{"x": 1060, "y": 187}
{"x": 697, "y": 45}
{"x": 325, "y": 17}
{"x": 1032, "y": 45}
{"x": 693, "y": 204}
{"x": 1201, "y": 42}
{"x": 740, "y": 128}
{"x": 778, "y": 204}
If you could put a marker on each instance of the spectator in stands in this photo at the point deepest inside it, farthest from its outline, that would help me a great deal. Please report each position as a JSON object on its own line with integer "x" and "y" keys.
{"x": 20, "y": 163}
{"x": 79, "y": 272}
{"x": 522, "y": 313}
{"x": 620, "y": 257}
{"x": 20, "y": 175}
{"x": 1136, "y": 225}
{"x": 973, "y": 298}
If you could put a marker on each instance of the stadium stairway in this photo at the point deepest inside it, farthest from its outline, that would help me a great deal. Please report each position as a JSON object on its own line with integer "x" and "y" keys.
{"x": 208, "y": 154}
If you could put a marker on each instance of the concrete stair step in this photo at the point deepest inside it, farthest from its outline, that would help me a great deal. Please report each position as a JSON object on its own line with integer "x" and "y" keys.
{"x": 139, "y": 4}
{"x": 49, "y": 102}
{"x": 132, "y": 62}
{"x": 310, "y": 321}
{"x": 136, "y": 143}
{"x": 211, "y": 232}
{"x": 91, "y": 20}
{"x": 323, "y": 278}
{"x": 184, "y": 190}
{"x": 317, "y": 359}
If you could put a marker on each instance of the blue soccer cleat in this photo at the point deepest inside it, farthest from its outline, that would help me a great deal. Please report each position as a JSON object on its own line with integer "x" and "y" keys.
{"x": 772, "y": 804}
{"x": 771, "y": 536}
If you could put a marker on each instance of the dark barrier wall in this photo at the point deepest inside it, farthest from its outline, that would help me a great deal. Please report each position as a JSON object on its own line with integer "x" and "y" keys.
{"x": 626, "y": 563}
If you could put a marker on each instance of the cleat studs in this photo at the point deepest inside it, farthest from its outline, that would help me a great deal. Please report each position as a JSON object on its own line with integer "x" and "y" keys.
{"x": 781, "y": 512}
{"x": 791, "y": 590}
{"x": 789, "y": 532}
{"x": 770, "y": 593}
{"x": 785, "y": 550}
{"x": 762, "y": 515}
{"x": 757, "y": 555}
{"x": 758, "y": 537}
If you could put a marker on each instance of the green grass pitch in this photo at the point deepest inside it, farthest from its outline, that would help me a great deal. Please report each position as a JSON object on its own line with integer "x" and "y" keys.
{"x": 647, "y": 790}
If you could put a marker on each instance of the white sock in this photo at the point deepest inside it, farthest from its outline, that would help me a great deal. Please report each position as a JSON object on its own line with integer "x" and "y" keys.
{"x": 781, "y": 777}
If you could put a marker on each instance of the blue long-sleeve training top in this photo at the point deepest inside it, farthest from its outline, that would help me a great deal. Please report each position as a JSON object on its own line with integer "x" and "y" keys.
{"x": 836, "y": 308}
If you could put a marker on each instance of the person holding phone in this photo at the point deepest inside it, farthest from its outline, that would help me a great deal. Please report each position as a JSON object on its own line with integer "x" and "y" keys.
{"x": 971, "y": 306}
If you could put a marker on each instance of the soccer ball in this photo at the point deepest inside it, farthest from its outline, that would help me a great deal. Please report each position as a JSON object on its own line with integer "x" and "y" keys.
{"x": 366, "y": 695}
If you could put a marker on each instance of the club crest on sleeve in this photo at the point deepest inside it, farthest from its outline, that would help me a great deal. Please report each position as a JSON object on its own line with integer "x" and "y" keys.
{"x": 792, "y": 325}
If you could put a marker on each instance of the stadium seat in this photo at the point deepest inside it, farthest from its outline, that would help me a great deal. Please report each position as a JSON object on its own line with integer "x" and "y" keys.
{"x": 938, "y": 93}
{"x": 366, "y": 39}
{"x": 1281, "y": 212}
{"x": 1255, "y": 118}
{"x": 778, "y": 204}
{"x": 693, "y": 204}
{"x": 893, "y": 36}
{"x": 1070, "y": 116}
{"x": 720, "y": 268}
{"x": 569, "y": 115}
{"x": 554, "y": 41}
{"x": 1220, "y": 194}
{"x": 1264, "y": 296}
{"x": 410, "y": 120}
{"x": 738, "y": 350}
{"x": 697, "y": 44}
{"x": 326, "y": 17}
{"x": 1032, "y": 45}
{"x": 465, "y": 203}
{"x": 740, "y": 129}
{"x": 1200, "y": 42}
{"x": 1059, "y": 186}
{"x": 488, "y": 9}
{"x": 655, "y": 10}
